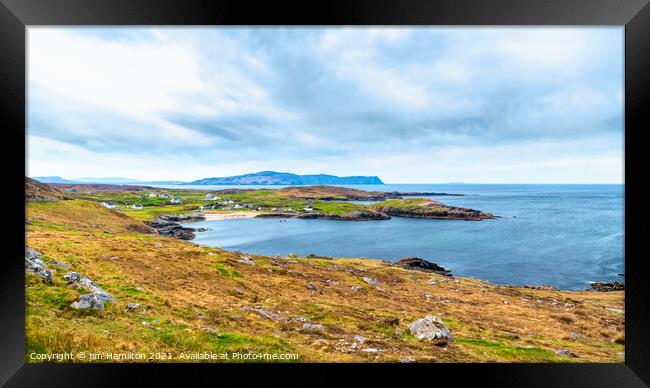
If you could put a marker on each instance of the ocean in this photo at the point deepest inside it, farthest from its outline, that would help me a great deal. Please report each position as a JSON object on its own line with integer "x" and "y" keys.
{"x": 566, "y": 236}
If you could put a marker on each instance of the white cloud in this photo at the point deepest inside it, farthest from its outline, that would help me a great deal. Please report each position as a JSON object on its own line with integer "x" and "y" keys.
{"x": 407, "y": 104}
{"x": 135, "y": 78}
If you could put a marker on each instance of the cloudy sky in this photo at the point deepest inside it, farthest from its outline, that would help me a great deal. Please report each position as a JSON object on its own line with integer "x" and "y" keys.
{"x": 411, "y": 105}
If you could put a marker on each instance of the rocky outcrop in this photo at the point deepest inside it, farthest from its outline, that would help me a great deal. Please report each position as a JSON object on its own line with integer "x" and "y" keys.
{"x": 172, "y": 229}
{"x": 356, "y": 215}
{"x": 418, "y": 264}
{"x": 608, "y": 286}
{"x": 89, "y": 301}
{"x": 95, "y": 299}
{"x": 431, "y": 328}
{"x": 543, "y": 287}
{"x": 428, "y": 208}
{"x": 34, "y": 264}
{"x": 182, "y": 217}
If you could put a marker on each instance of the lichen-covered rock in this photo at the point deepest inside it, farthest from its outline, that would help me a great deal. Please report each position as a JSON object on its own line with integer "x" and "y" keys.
{"x": 430, "y": 328}
{"x": 88, "y": 284}
{"x": 89, "y": 301}
{"x": 34, "y": 264}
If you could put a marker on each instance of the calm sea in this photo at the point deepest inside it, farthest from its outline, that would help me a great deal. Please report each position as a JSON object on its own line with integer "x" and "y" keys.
{"x": 563, "y": 235}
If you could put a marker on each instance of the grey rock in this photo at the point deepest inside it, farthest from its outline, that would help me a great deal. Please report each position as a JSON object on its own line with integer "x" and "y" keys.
{"x": 356, "y": 288}
{"x": 313, "y": 327}
{"x": 59, "y": 264}
{"x": 34, "y": 264}
{"x": 88, "y": 284}
{"x": 430, "y": 328}
{"x": 359, "y": 338}
{"x": 310, "y": 287}
{"x": 246, "y": 260}
{"x": 371, "y": 281}
{"x": 566, "y": 353}
{"x": 132, "y": 307}
{"x": 264, "y": 313}
{"x": 89, "y": 301}
{"x": 183, "y": 217}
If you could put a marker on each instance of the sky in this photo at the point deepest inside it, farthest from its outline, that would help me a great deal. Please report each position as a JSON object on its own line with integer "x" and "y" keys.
{"x": 410, "y": 105}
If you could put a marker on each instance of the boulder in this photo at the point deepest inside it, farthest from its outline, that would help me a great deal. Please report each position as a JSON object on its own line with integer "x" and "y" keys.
{"x": 430, "y": 328}
{"x": 566, "y": 353}
{"x": 422, "y": 265}
{"x": 313, "y": 327}
{"x": 89, "y": 301}
{"x": 34, "y": 264}
{"x": 88, "y": 284}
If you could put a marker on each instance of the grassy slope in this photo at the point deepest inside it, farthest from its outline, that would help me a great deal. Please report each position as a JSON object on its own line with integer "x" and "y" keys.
{"x": 186, "y": 288}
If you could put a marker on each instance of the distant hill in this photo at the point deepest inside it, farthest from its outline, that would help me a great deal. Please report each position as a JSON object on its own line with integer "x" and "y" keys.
{"x": 36, "y": 191}
{"x": 105, "y": 180}
{"x": 285, "y": 178}
{"x": 51, "y": 179}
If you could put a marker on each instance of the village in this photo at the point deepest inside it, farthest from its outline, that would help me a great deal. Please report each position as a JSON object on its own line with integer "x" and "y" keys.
{"x": 213, "y": 202}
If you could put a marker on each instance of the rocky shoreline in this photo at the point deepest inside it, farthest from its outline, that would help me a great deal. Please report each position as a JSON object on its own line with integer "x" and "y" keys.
{"x": 169, "y": 225}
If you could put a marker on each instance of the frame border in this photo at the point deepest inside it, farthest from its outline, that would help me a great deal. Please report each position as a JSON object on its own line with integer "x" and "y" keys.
{"x": 17, "y": 15}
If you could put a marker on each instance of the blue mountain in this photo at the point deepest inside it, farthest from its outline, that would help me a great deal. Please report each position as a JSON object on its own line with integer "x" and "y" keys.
{"x": 286, "y": 178}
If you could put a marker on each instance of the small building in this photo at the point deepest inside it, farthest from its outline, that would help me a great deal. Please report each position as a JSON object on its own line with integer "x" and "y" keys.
{"x": 308, "y": 208}
{"x": 238, "y": 206}
{"x": 227, "y": 202}
{"x": 176, "y": 199}
{"x": 153, "y": 195}
{"x": 137, "y": 206}
{"x": 209, "y": 197}
{"x": 109, "y": 205}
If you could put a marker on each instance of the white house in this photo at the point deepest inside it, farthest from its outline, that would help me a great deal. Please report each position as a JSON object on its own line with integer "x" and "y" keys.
{"x": 238, "y": 206}
{"x": 308, "y": 208}
{"x": 227, "y": 202}
{"x": 175, "y": 200}
{"x": 137, "y": 206}
{"x": 153, "y": 195}
{"x": 109, "y": 205}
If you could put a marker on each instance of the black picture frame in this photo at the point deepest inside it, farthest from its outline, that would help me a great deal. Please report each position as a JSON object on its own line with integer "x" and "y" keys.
{"x": 17, "y": 15}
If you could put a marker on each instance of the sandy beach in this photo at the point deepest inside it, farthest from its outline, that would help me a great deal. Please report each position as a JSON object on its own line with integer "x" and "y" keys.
{"x": 224, "y": 215}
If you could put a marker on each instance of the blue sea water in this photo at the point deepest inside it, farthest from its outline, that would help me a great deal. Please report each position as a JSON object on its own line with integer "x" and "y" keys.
{"x": 563, "y": 235}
